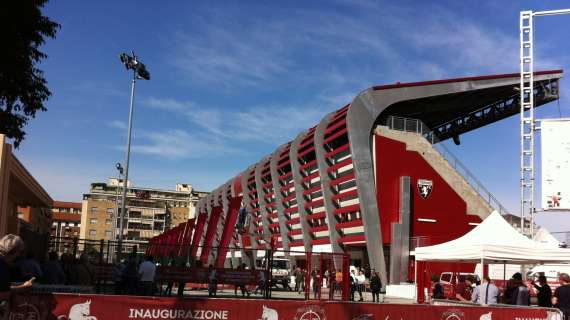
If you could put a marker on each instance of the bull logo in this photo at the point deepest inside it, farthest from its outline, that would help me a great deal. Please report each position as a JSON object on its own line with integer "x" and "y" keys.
{"x": 425, "y": 187}
{"x": 80, "y": 311}
{"x": 269, "y": 314}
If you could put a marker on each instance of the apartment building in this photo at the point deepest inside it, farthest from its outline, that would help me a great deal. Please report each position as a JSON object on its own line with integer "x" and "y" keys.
{"x": 66, "y": 221}
{"x": 149, "y": 211}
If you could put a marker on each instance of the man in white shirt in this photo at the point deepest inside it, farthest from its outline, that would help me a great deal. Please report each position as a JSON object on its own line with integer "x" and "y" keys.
{"x": 147, "y": 271}
{"x": 360, "y": 281}
{"x": 485, "y": 293}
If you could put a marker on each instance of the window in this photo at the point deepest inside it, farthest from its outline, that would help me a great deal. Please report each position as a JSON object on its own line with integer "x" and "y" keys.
{"x": 108, "y": 233}
{"x": 108, "y": 221}
{"x": 92, "y": 232}
{"x": 446, "y": 277}
{"x": 93, "y": 221}
{"x": 94, "y": 210}
{"x": 110, "y": 211}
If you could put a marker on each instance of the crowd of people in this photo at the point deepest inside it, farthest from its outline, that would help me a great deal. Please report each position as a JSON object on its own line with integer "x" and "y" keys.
{"x": 516, "y": 292}
{"x": 360, "y": 280}
{"x": 19, "y": 266}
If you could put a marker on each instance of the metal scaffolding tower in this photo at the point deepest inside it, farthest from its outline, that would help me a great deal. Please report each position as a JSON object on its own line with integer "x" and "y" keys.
{"x": 527, "y": 128}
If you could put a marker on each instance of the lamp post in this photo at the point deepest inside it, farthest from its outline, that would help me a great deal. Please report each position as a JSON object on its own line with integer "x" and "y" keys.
{"x": 130, "y": 62}
{"x": 119, "y": 168}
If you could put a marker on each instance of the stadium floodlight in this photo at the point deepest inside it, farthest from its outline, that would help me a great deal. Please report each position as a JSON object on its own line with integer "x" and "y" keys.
{"x": 131, "y": 62}
{"x": 119, "y": 168}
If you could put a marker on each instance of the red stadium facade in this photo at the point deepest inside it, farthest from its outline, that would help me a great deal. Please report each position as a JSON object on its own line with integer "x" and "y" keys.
{"x": 370, "y": 180}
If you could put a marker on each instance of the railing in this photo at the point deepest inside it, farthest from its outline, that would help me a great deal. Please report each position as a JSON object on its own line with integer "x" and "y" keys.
{"x": 424, "y": 241}
{"x": 417, "y": 126}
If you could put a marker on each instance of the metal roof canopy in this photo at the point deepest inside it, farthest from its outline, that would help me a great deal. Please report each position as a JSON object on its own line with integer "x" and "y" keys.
{"x": 484, "y": 100}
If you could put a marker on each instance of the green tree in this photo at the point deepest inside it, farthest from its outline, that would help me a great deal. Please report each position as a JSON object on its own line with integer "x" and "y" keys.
{"x": 23, "y": 90}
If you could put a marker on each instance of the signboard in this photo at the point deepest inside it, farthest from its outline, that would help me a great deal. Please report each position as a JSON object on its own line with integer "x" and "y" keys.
{"x": 100, "y": 307}
{"x": 555, "y": 142}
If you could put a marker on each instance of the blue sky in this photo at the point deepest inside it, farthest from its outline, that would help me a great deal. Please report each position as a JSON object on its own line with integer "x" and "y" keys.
{"x": 225, "y": 72}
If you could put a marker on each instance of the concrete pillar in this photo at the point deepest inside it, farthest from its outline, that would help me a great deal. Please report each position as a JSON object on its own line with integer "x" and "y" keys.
{"x": 261, "y": 197}
{"x": 326, "y": 190}
{"x": 299, "y": 191}
{"x": 400, "y": 244}
{"x": 279, "y": 197}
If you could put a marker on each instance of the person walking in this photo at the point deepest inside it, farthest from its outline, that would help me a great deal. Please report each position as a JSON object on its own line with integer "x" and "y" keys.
{"x": 360, "y": 281}
{"x": 464, "y": 289}
{"x": 212, "y": 281}
{"x": 261, "y": 283}
{"x": 53, "y": 271}
{"x": 118, "y": 277}
{"x": 241, "y": 285}
{"x": 520, "y": 295}
{"x": 352, "y": 280}
{"x": 82, "y": 272}
{"x": 130, "y": 276}
{"x": 338, "y": 281}
{"x": 375, "y": 286}
{"x": 544, "y": 293}
{"x": 316, "y": 277}
{"x": 301, "y": 275}
{"x": 332, "y": 283}
{"x": 485, "y": 293}
{"x": 147, "y": 271}
{"x": 169, "y": 262}
{"x": 296, "y": 274}
{"x": 561, "y": 298}
{"x": 181, "y": 284}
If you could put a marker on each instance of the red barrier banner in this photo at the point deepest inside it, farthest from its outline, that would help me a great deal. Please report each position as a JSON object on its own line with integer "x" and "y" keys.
{"x": 103, "y": 307}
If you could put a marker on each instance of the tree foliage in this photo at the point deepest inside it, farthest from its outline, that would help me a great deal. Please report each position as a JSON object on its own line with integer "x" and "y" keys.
{"x": 23, "y": 88}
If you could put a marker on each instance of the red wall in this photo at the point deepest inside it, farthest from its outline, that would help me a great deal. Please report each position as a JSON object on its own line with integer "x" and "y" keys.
{"x": 443, "y": 204}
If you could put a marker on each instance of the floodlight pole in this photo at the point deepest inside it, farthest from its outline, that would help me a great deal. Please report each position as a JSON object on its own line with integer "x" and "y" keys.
{"x": 527, "y": 128}
{"x": 124, "y": 198}
{"x": 114, "y": 233}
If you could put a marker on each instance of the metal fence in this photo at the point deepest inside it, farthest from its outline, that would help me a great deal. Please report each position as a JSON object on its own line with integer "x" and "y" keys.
{"x": 267, "y": 272}
{"x": 552, "y": 313}
{"x": 417, "y": 126}
{"x": 100, "y": 251}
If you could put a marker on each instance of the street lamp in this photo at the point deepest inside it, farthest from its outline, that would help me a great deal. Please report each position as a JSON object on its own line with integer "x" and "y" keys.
{"x": 119, "y": 168}
{"x": 130, "y": 62}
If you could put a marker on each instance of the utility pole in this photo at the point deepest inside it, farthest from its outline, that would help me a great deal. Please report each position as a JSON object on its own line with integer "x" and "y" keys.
{"x": 139, "y": 72}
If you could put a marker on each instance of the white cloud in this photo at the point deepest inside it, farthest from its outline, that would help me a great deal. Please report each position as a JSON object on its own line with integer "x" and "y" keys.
{"x": 336, "y": 49}
{"x": 116, "y": 124}
{"x": 179, "y": 144}
{"x": 267, "y": 124}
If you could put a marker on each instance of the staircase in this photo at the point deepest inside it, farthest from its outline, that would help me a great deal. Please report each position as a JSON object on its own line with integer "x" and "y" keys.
{"x": 419, "y": 138}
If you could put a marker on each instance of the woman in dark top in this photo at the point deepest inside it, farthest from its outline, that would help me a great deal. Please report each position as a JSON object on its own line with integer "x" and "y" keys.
{"x": 11, "y": 246}
{"x": 437, "y": 292}
{"x": 544, "y": 293}
{"x": 375, "y": 286}
{"x": 561, "y": 298}
{"x": 520, "y": 295}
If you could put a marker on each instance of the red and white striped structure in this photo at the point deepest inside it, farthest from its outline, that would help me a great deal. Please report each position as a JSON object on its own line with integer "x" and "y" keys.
{"x": 350, "y": 183}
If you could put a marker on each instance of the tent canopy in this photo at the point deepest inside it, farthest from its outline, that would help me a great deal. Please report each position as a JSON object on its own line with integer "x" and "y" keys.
{"x": 494, "y": 241}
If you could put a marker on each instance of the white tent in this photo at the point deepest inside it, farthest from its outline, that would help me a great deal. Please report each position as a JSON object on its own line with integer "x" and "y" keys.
{"x": 543, "y": 236}
{"x": 493, "y": 241}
